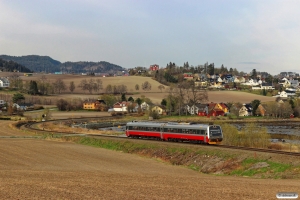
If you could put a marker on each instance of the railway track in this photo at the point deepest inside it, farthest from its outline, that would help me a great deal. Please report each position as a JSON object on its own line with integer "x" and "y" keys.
{"x": 29, "y": 126}
{"x": 260, "y": 150}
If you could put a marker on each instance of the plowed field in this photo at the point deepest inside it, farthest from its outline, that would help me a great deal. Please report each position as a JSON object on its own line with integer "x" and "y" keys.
{"x": 42, "y": 169}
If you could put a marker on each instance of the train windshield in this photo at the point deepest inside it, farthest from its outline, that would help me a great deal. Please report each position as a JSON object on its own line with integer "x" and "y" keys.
{"x": 215, "y": 131}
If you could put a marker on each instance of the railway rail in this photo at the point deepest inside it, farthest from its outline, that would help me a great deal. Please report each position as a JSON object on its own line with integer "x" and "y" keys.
{"x": 29, "y": 126}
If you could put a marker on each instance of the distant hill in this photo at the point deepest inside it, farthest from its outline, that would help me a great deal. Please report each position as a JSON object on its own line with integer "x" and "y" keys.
{"x": 35, "y": 63}
{"x": 91, "y": 67}
{"x": 46, "y": 64}
{"x": 10, "y": 66}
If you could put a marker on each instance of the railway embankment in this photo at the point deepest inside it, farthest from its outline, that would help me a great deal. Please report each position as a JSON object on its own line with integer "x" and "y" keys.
{"x": 202, "y": 158}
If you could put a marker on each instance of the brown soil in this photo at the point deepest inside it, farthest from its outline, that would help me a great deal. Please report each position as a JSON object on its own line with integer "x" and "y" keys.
{"x": 41, "y": 169}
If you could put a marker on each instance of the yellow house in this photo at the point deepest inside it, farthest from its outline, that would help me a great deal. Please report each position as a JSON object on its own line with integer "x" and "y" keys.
{"x": 92, "y": 104}
{"x": 159, "y": 109}
{"x": 222, "y": 107}
{"x": 201, "y": 83}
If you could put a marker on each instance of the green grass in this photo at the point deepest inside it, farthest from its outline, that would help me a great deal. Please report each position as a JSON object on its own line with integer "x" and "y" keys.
{"x": 274, "y": 168}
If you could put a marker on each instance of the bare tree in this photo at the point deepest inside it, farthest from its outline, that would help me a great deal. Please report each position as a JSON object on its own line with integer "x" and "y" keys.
{"x": 161, "y": 87}
{"x": 15, "y": 81}
{"x": 146, "y": 85}
{"x": 83, "y": 85}
{"x": 90, "y": 85}
{"x": 42, "y": 85}
{"x": 72, "y": 86}
{"x": 172, "y": 98}
{"x": 196, "y": 94}
{"x": 109, "y": 89}
{"x": 137, "y": 87}
{"x": 235, "y": 108}
{"x": 97, "y": 85}
{"x": 285, "y": 110}
{"x": 122, "y": 89}
{"x": 59, "y": 85}
{"x": 182, "y": 90}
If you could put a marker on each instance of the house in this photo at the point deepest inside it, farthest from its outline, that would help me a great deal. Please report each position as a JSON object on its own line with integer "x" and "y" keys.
{"x": 121, "y": 106}
{"x": 188, "y": 76}
{"x": 252, "y": 82}
{"x": 93, "y": 104}
{"x": 197, "y": 109}
{"x": 145, "y": 106}
{"x": 216, "y": 85}
{"x": 4, "y": 82}
{"x": 159, "y": 109}
{"x": 261, "y": 110}
{"x": 200, "y": 77}
{"x": 285, "y": 94}
{"x": 217, "y": 109}
{"x": 154, "y": 67}
{"x": 132, "y": 107}
{"x": 201, "y": 83}
{"x": 246, "y": 110}
{"x": 264, "y": 86}
{"x": 25, "y": 106}
{"x": 2, "y": 103}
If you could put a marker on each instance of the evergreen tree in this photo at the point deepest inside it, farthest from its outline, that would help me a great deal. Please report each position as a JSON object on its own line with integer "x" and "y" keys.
{"x": 123, "y": 97}
{"x": 33, "y": 89}
{"x": 255, "y": 103}
{"x": 17, "y": 97}
{"x": 163, "y": 102}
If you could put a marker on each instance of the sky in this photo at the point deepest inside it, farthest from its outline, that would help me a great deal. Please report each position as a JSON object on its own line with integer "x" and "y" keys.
{"x": 241, "y": 34}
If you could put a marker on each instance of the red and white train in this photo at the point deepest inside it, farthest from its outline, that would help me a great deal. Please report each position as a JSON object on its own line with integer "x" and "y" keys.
{"x": 170, "y": 131}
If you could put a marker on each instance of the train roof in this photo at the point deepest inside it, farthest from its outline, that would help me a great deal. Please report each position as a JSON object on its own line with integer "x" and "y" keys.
{"x": 167, "y": 124}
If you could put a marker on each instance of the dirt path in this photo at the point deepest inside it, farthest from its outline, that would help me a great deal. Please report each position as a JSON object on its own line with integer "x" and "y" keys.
{"x": 41, "y": 169}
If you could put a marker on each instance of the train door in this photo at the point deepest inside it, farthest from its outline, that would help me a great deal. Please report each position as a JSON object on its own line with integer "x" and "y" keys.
{"x": 161, "y": 131}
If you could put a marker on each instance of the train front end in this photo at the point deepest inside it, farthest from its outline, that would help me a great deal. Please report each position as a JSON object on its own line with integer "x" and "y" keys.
{"x": 215, "y": 135}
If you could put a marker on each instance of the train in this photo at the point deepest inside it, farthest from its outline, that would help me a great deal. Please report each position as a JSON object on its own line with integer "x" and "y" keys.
{"x": 175, "y": 131}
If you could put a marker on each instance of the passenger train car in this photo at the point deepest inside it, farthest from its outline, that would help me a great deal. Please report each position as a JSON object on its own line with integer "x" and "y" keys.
{"x": 199, "y": 133}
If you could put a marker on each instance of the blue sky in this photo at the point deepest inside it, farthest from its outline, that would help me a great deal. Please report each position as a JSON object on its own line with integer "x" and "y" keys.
{"x": 242, "y": 34}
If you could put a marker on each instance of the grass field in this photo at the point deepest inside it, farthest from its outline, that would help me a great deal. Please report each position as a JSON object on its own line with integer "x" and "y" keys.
{"x": 154, "y": 94}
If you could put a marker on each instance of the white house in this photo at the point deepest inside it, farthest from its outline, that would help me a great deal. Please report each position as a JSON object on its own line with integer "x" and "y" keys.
{"x": 145, "y": 106}
{"x": 266, "y": 86}
{"x": 4, "y": 82}
{"x": 121, "y": 106}
{"x": 252, "y": 82}
{"x": 286, "y": 93}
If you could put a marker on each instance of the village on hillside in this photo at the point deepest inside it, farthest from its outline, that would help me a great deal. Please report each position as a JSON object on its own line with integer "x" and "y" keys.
{"x": 282, "y": 87}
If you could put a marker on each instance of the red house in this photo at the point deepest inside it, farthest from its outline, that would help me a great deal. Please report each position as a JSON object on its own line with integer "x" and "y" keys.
{"x": 188, "y": 75}
{"x": 154, "y": 67}
{"x": 216, "y": 109}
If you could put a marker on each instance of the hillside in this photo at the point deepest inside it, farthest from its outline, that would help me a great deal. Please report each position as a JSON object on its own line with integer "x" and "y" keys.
{"x": 10, "y": 66}
{"x": 46, "y": 64}
{"x": 91, "y": 67}
{"x": 35, "y": 63}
